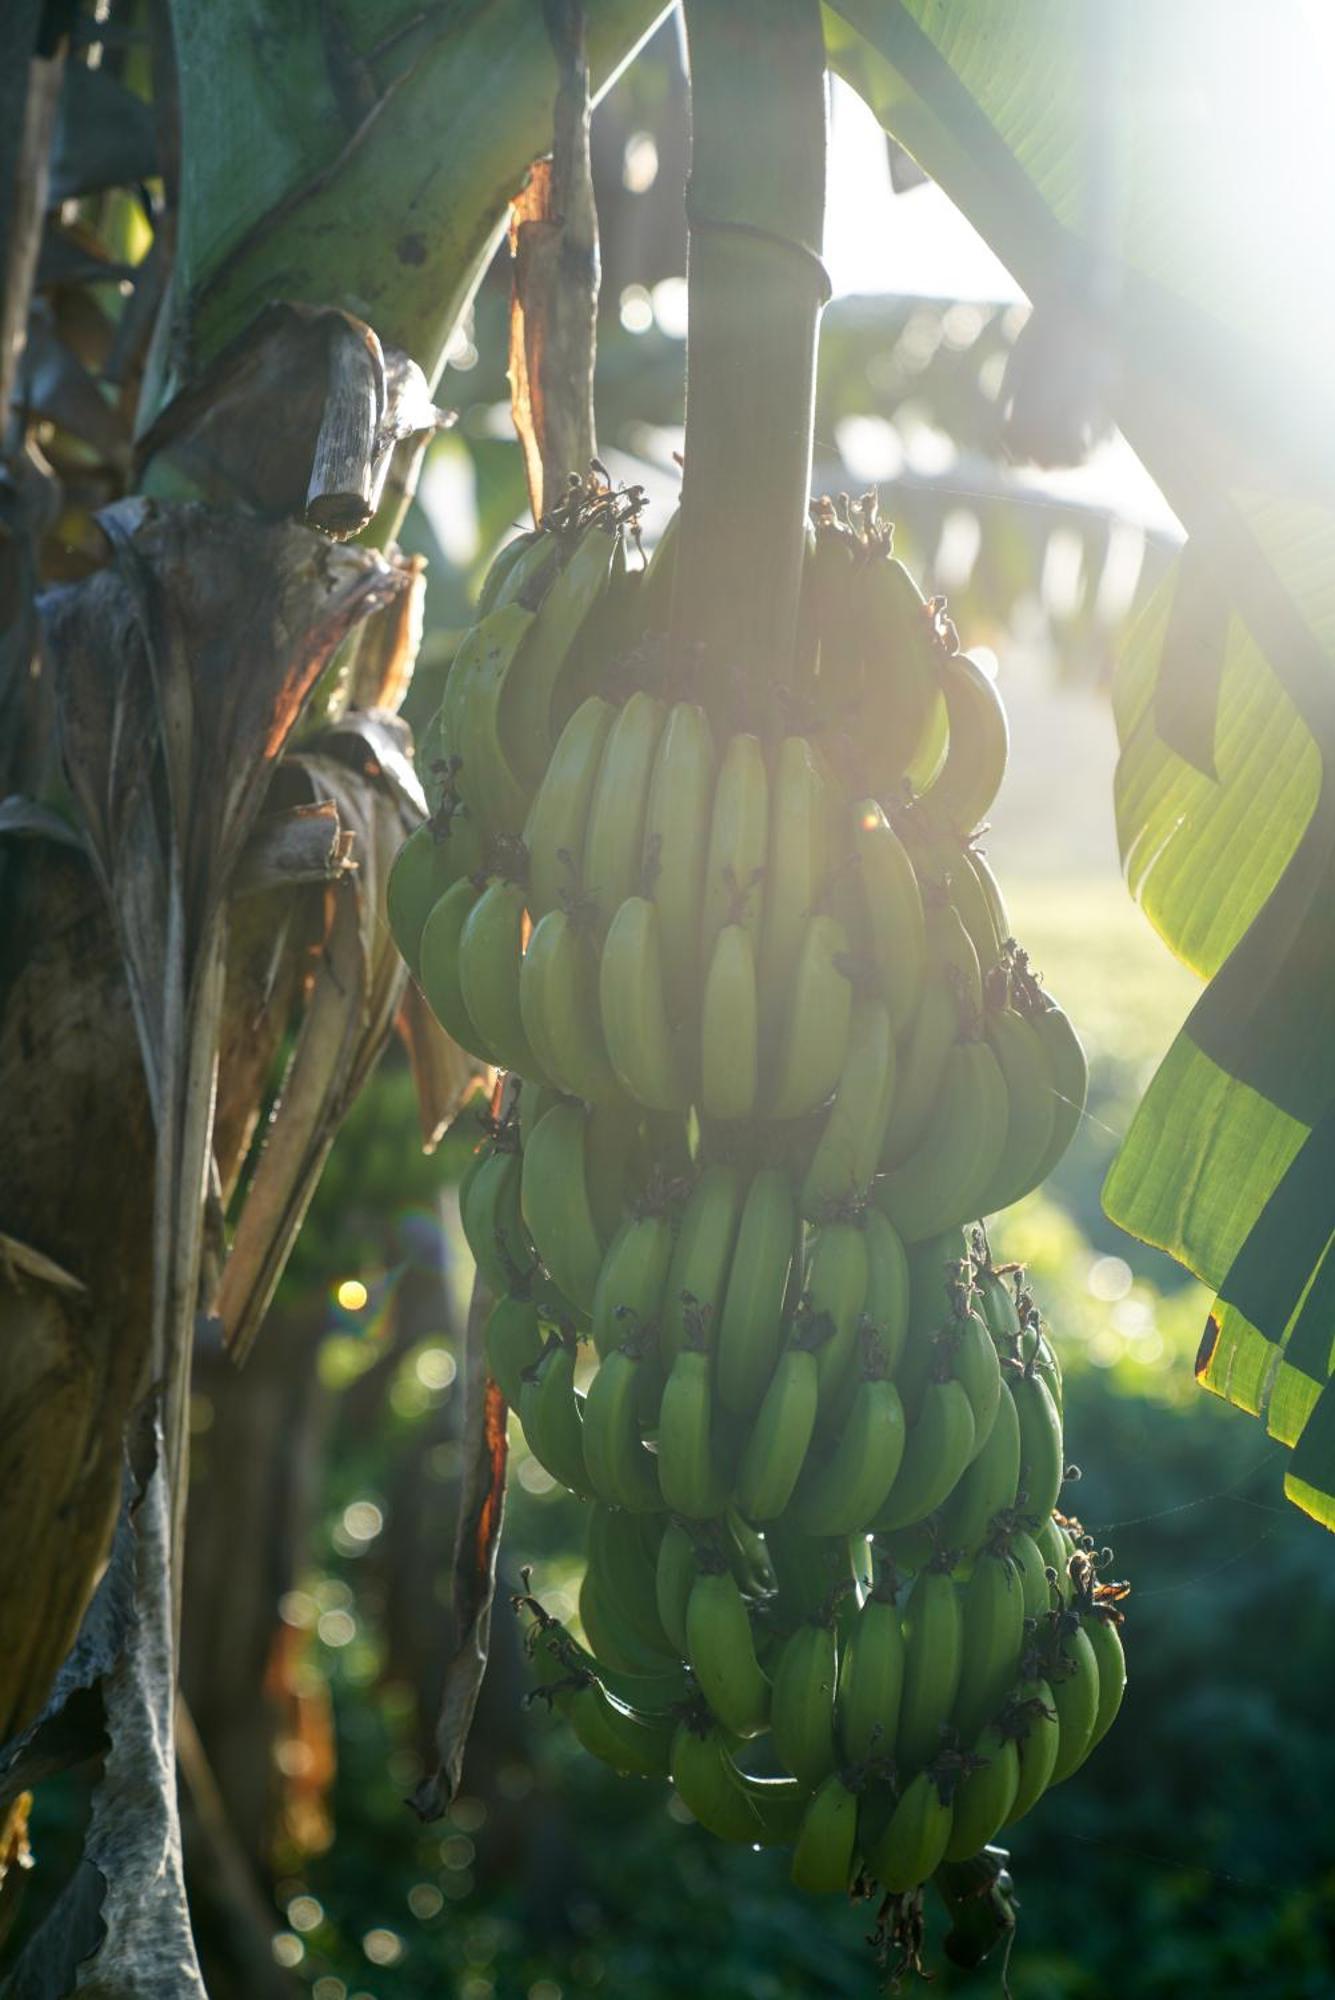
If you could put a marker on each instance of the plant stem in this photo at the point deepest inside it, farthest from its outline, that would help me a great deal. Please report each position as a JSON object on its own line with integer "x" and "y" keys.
{"x": 755, "y": 206}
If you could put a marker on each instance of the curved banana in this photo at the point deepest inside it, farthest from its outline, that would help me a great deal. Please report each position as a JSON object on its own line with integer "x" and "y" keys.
{"x": 795, "y": 871}
{"x": 1026, "y": 1558}
{"x": 1074, "y": 1680}
{"x": 466, "y": 732}
{"x": 913, "y": 1843}
{"x": 620, "y": 1470}
{"x": 776, "y": 1447}
{"x": 885, "y": 1308}
{"x": 940, "y": 1183}
{"x": 1068, "y": 1079}
{"x": 750, "y": 1326}
{"x": 517, "y": 566}
{"x": 754, "y": 1812}
{"x": 633, "y": 1744}
{"x": 996, "y": 1302}
{"x": 849, "y": 1148}
{"x": 623, "y": 1557}
{"x": 513, "y": 1343}
{"x": 989, "y": 1484}
{"x": 801, "y": 1716}
{"x": 871, "y": 1679}
{"x": 701, "y": 1260}
{"x": 676, "y": 841}
{"x": 614, "y": 1163}
{"x": 432, "y": 859}
{"x": 892, "y": 912}
{"x": 951, "y": 950}
{"x": 674, "y": 1576}
{"x": 1031, "y": 1720}
{"x": 826, "y": 1840}
{"x": 634, "y": 1013}
{"x": 970, "y": 778}
{"x": 903, "y": 667}
{"x": 1055, "y": 1548}
{"x": 531, "y": 687}
{"x": 938, "y": 1448}
{"x": 622, "y": 1659}
{"x": 556, "y": 1652}
{"x": 809, "y": 1570}
{"x": 554, "y": 1198}
{"x": 1042, "y": 1466}
{"x": 836, "y": 1291}
{"x": 734, "y": 889}
{"x": 558, "y": 1007}
{"x": 981, "y": 871}
{"x": 692, "y": 1484}
{"x": 992, "y": 1608}
{"x": 842, "y": 1495}
{"x": 1015, "y": 1043}
{"x": 1103, "y": 1635}
{"x": 975, "y": 1364}
{"x": 614, "y": 835}
{"x": 920, "y": 1068}
{"x": 933, "y": 1661}
{"x": 491, "y": 947}
{"x": 490, "y": 1210}
{"x": 551, "y": 1413}
{"x": 631, "y": 1278}
{"x": 730, "y": 1028}
{"x": 557, "y": 819}
{"x": 814, "y": 1038}
{"x": 438, "y": 968}
{"x": 985, "y": 1797}
{"x": 722, "y": 1653}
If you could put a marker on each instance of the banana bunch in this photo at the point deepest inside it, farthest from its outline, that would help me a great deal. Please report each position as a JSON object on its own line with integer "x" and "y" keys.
{"x": 772, "y": 1053}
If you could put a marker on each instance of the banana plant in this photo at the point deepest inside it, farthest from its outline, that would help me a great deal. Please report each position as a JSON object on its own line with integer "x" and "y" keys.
{"x": 1081, "y": 141}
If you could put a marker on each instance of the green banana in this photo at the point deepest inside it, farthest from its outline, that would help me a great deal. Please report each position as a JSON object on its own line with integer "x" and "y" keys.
{"x": 985, "y": 1796}
{"x": 1068, "y": 1079}
{"x": 432, "y": 859}
{"x": 974, "y": 906}
{"x": 633, "y": 1744}
{"x": 516, "y": 563}
{"x": 885, "y": 1309}
{"x": 750, "y": 1326}
{"x": 1106, "y": 1641}
{"x": 849, "y": 1148}
{"x": 1031, "y": 1719}
{"x": 1015, "y": 1043}
{"x": 701, "y": 1259}
{"x": 620, "y": 1470}
{"x": 676, "y": 840}
{"x": 513, "y": 1343}
{"x": 1027, "y": 1559}
{"x": 1042, "y": 1458}
{"x": 801, "y": 1717}
{"x": 490, "y": 951}
{"x": 992, "y": 1608}
{"x": 795, "y": 870}
{"x": 920, "y": 1069}
{"x": 974, "y": 1358}
{"x": 465, "y": 735}
{"x": 722, "y": 1652}
{"x": 950, "y": 949}
{"x": 871, "y": 1679}
{"x": 674, "y": 1576}
{"x": 614, "y": 835}
{"x": 892, "y": 912}
{"x": 913, "y": 1843}
{"x": 977, "y": 864}
{"x": 1055, "y": 1549}
{"x": 827, "y": 1839}
{"x": 691, "y": 1482}
{"x": 730, "y": 1028}
{"x": 614, "y": 1163}
{"x": 531, "y": 686}
{"x": 971, "y": 776}
{"x": 535, "y": 1100}
{"x": 557, "y": 819}
{"x": 988, "y": 1485}
{"x": 776, "y": 1447}
{"x": 836, "y": 1291}
{"x": 747, "y": 1557}
{"x": 900, "y": 686}
{"x": 555, "y": 1203}
{"x": 996, "y": 1302}
{"x": 938, "y": 1448}
{"x": 844, "y": 1494}
{"x": 557, "y": 1653}
{"x": 738, "y": 841}
{"x": 933, "y": 1661}
{"x": 558, "y": 1008}
{"x": 814, "y": 1039}
{"x": 551, "y": 1413}
{"x": 438, "y": 968}
{"x": 634, "y": 1013}
{"x": 810, "y": 1571}
{"x": 623, "y": 1556}
{"x": 1074, "y": 1680}
{"x": 621, "y": 1656}
{"x": 940, "y": 1183}
{"x": 490, "y": 1212}
{"x": 753, "y": 1812}
{"x": 631, "y": 1278}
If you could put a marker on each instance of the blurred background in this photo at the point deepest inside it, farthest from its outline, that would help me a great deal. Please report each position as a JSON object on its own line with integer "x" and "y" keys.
{"x": 1196, "y": 1850}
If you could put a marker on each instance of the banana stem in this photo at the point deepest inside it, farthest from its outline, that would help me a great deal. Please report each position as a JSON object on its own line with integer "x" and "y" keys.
{"x": 755, "y": 209}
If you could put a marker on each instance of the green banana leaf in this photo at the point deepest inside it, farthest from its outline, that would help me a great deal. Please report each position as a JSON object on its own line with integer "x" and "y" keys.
{"x": 1148, "y": 173}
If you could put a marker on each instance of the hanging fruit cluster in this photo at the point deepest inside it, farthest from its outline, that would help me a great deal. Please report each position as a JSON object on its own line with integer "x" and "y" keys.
{"x": 773, "y": 1052}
